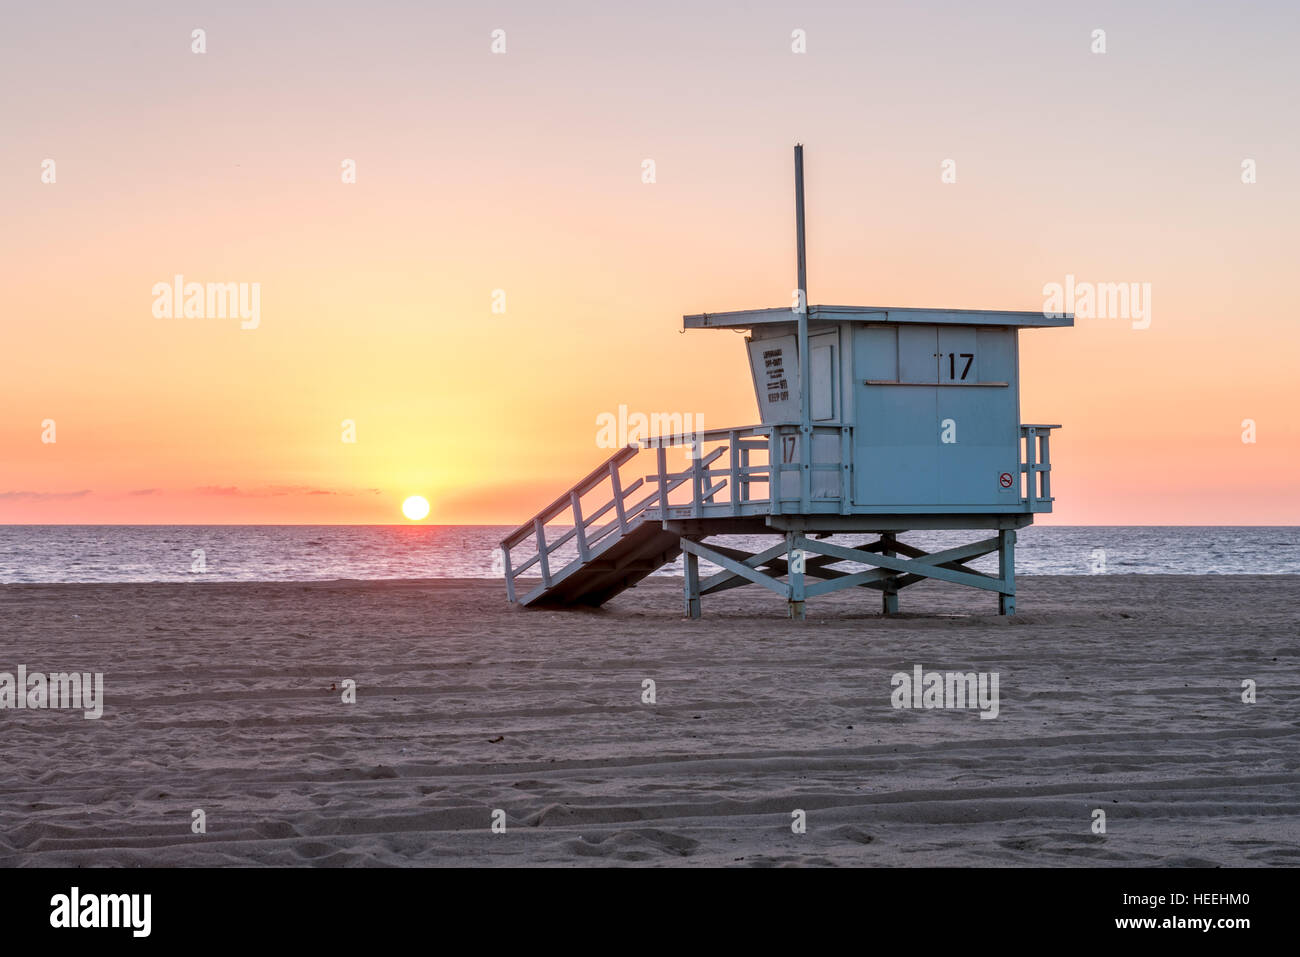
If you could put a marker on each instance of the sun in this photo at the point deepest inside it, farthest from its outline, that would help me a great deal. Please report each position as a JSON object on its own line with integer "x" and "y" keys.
{"x": 415, "y": 508}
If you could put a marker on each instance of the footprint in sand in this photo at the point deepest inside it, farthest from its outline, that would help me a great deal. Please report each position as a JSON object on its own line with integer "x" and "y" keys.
{"x": 633, "y": 845}
{"x": 850, "y": 832}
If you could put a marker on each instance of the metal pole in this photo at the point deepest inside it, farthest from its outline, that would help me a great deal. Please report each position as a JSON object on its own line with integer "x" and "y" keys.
{"x": 805, "y": 361}
{"x": 798, "y": 225}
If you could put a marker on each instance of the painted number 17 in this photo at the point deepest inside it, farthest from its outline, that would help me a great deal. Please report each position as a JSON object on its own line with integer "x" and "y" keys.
{"x": 952, "y": 363}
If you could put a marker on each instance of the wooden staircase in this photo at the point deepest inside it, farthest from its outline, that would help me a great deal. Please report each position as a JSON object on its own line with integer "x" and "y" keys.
{"x": 585, "y": 555}
{"x": 617, "y": 544}
{"x": 617, "y": 564}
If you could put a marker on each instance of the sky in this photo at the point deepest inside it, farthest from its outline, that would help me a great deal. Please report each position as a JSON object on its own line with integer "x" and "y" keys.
{"x": 522, "y": 172}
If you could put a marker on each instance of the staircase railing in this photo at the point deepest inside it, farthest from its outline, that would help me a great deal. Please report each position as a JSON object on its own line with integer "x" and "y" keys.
{"x": 572, "y": 499}
{"x": 747, "y": 485}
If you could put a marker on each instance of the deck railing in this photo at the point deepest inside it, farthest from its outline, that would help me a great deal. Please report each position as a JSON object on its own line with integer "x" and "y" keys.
{"x": 723, "y": 459}
{"x": 1036, "y": 466}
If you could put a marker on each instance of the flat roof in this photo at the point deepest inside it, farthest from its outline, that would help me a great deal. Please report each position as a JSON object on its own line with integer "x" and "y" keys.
{"x": 747, "y": 318}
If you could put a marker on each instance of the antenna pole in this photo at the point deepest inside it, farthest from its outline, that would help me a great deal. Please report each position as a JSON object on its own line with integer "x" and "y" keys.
{"x": 805, "y": 363}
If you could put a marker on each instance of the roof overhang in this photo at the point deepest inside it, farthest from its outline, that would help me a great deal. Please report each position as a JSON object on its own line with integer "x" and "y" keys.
{"x": 748, "y": 318}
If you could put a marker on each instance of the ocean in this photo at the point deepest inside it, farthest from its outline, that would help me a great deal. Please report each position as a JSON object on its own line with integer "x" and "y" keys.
{"x": 170, "y": 553}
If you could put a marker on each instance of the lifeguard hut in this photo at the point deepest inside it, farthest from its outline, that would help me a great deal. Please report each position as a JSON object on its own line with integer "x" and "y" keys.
{"x": 874, "y": 420}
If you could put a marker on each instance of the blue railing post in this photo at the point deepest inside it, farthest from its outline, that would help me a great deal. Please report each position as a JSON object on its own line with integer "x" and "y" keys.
{"x": 846, "y": 468}
{"x": 579, "y": 525}
{"x": 616, "y": 487}
{"x": 774, "y": 470}
{"x": 663, "y": 482}
{"x": 539, "y": 529}
{"x": 1045, "y": 457}
{"x": 1031, "y": 452}
{"x": 697, "y": 480}
{"x": 733, "y": 462}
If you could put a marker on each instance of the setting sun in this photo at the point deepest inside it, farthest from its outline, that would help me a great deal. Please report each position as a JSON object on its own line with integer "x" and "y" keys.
{"x": 415, "y": 508}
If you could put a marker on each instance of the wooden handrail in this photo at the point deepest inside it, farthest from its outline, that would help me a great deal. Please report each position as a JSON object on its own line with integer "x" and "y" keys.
{"x": 688, "y": 473}
{"x": 593, "y": 479}
{"x": 545, "y": 548}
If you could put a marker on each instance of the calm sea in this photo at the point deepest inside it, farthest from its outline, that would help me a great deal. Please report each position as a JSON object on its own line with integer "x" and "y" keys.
{"x": 144, "y": 553}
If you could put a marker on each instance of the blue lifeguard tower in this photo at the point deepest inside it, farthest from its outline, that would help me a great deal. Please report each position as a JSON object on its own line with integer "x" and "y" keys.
{"x": 874, "y": 420}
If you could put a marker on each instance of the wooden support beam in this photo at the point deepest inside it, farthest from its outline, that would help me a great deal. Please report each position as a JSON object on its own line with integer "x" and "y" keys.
{"x": 796, "y": 559}
{"x": 691, "y": 582}
{"x": 1007, "y": 568}
{"x": 920, "y": 566}
{"x": 878, "y": 579}
{"x": 723, "y": 580}
{"x": 889, "y": 591}
{"x": 738, "y": 568}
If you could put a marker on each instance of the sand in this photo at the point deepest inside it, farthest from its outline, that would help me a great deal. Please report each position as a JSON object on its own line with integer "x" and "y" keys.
{"x": 1119, "y": 693}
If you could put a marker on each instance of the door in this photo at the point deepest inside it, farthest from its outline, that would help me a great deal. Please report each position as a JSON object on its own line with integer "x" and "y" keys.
{"x": 978, "y": 413}
{"x": 896, "y": 454}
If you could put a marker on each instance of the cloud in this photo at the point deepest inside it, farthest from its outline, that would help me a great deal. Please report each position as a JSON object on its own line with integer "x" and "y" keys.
{"x": 145, "y": 491}
{"x": 267, "y": 491}
{"x": 283, "y": 490}
{"x": 44, "y": 496}
{"x": 218, "y": 490}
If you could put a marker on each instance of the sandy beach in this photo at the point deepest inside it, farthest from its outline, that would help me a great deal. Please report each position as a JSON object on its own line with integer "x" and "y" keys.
{"x": 1119, "y": 693}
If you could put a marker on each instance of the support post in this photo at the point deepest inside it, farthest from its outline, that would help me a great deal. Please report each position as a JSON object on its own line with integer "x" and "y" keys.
{"x": 796, "y": 566}
{"x": 1007, "y": 571}
{"x": 510, "y": 575}
{"x": 889, "y": 587}
{"x": 691, "y": 583}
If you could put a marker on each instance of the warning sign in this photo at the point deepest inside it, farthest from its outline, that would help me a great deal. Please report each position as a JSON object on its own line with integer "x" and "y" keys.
{"x": 1005, "y": 480}
{"x": 776, "y": 378}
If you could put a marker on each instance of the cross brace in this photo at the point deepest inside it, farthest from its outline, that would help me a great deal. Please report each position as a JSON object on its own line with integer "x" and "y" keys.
{"x": 893, "y": 566}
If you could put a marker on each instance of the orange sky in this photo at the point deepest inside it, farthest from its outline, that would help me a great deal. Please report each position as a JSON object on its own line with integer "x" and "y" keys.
{"x": 522, "y": 172}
